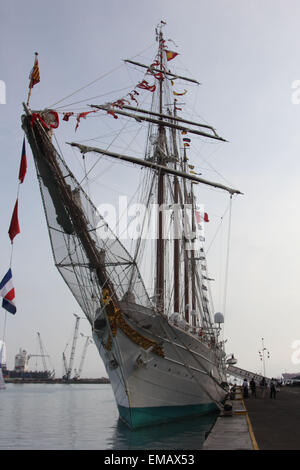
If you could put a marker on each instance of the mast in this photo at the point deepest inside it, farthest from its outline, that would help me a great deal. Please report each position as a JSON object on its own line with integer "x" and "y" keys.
{"x": 160, "y": 255}
{"x": 185, "y": 253}
{"x": 176, "y": 253}
{"x": 193, "y": 265}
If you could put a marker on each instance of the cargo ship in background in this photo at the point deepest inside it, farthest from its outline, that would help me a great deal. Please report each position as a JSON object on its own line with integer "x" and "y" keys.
{"x": 22, "y": 371}
{"x": 23, "y": 374}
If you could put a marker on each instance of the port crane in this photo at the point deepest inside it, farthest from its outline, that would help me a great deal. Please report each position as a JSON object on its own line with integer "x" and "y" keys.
{"x": 65, "y": 364}
{"x": 86, "y": 343}
{"x": 43, "y": 355}
{"x": 68, "y": 369}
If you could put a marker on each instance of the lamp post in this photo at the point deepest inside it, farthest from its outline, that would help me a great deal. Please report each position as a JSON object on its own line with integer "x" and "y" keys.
{"x": 264, "y": 351}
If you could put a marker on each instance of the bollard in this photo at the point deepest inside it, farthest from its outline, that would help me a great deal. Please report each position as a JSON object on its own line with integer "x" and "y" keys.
{"x": 227, "y": 410}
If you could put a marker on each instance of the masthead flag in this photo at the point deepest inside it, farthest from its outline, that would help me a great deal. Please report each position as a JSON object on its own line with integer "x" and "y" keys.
{"x": 34, "y": 76}
{"x": 7, "y": 291}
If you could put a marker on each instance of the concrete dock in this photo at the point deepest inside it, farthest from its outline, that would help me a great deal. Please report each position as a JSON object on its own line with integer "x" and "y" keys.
{"x": 276, "y": 423}
{"x": 232, "y": 432}
{"x": 259, "y": 423}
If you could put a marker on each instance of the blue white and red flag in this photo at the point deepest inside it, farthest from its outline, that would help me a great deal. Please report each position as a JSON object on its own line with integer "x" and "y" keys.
{"x": 7, "y": 291}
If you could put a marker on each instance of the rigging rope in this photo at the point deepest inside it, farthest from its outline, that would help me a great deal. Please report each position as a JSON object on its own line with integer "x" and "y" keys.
{"x": 97, "y": 79}
{"x": 218, "y": 229}
{"x": 92, "y": 97}
{"x": 227, "y": 257}
{"x": 86, "y": 86}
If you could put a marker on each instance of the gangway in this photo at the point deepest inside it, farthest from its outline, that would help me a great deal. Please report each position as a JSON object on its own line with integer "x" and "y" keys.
{"x": 244, "y": 374}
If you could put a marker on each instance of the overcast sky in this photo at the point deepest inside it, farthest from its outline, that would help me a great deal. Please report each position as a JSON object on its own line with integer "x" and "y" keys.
{"x": 246, "y": 56}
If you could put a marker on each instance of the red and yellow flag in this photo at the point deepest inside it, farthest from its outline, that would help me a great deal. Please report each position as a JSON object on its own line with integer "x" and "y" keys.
{"x": 170, "y": 55}
{"x": 35, "y": 73}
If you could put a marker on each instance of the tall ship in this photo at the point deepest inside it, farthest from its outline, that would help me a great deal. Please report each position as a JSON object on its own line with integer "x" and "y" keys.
{"x": 146, "y": 296}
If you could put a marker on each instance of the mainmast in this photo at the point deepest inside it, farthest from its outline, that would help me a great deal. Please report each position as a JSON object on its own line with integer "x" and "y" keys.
{"x": 160, "y": 255}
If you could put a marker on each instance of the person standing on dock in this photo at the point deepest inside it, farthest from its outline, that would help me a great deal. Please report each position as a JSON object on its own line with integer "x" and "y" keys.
{"x": 253, "y": 387}
{"x": 245, "y": 388}
{"x": 272, "y": 389}
{"x": 263, "y": 385}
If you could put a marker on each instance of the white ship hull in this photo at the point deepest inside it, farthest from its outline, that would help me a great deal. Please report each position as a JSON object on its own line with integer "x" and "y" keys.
{"x": 150, "y": 389}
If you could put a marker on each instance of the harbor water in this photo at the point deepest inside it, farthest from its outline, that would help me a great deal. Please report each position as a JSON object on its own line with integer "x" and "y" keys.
{"x": 82, "y": 417}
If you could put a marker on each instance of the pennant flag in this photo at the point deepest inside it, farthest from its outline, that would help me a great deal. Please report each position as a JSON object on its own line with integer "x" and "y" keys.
{"x": 7, "y": 291}
{"x": 67, "y": 116}
{"x": 133, "y": 98}
{"x": 109, "y": 111}
{"x": 34, "y": 76}
{"x": 170, "y": 55}
{"x": 82, "y": 115}
{"x": 179, "y": 94}
{"x": 144, "y": 85}
{"x": 198, "y": 216}
{"x": 14, "y": 227}
{"x": 23, "y": 164}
